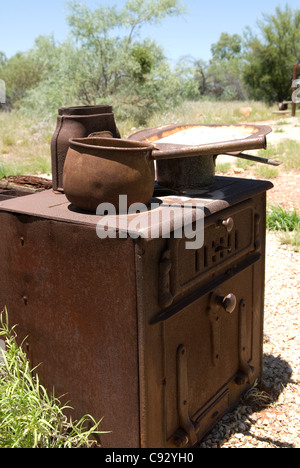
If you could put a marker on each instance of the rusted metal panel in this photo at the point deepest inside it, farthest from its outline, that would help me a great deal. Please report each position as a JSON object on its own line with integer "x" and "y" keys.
{"x": 74, "y": 296}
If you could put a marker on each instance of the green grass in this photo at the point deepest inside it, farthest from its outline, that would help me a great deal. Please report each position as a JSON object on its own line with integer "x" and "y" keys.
{"x": 212, "y": 112}
{"x": 266, "y": 172}
{"x": 7, "y": 140}
{"x": 287, "y": 151}
{"x": 38, "y": 165}
{"x": 24, "y": 144}
{"x": 279, "y": 219}
{"x": 204, "y": 112}
{"x": 244, "y": 164}
{"x": 286, "y": 224}
{"x": 29, "y": 417}
{"x": 223, "y": 167}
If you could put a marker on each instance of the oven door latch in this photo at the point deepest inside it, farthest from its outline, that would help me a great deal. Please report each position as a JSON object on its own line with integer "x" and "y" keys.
{"x": 217, "y": 305}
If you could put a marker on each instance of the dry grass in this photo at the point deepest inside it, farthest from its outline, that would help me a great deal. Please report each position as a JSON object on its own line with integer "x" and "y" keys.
{"x": 24, "y": 145}
{"x": 207, "y": 112}
{"x": 25, "y": 141}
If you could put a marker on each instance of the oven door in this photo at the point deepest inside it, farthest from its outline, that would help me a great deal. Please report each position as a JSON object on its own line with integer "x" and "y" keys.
{"x": 211, "y": 355}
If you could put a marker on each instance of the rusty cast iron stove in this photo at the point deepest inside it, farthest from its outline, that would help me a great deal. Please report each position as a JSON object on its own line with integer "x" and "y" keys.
{"x": 158, "y": 340}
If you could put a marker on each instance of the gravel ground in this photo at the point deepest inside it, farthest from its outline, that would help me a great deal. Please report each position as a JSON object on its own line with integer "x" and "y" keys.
{"x": 268, "y": 417}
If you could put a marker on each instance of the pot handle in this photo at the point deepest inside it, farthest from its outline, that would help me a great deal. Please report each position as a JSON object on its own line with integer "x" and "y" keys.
{"x": 161, "y": 151}
{"x": 250, "y": 157}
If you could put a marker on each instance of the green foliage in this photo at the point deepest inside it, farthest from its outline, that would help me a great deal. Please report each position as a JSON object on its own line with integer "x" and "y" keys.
{"x": 288, "y": 151}
{"x": 105, "y": 61}
{"x": 126, "y": 70}
{"x": 3, "y": 59}
{"x": 269, "y": 61}
{"x": 138, "y": 12}
{"x": 20, "y": 73}
{"x": 144, "y": 60}
{"x": 266, "y": 172}
{"x": 257, "y": 66}
{"x": 221, "y": 78}
{"x": 286, "y": 224}
{"x": 63, "y": 82}
{"x": 278, "y": 219}
{"x": 227, "y": 47}
{"x": 29, "y": 417}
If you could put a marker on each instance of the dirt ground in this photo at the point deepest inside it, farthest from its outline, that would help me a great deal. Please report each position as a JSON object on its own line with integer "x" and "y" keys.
{"x": 286, "y": 191}
{"x": 289, "y": 126}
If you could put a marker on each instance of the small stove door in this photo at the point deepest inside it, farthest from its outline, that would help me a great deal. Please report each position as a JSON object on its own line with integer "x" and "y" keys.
{"x": 211, "y": 356}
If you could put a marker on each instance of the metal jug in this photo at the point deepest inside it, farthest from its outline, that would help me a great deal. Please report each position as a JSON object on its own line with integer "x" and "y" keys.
{"x": 77, "y": 122}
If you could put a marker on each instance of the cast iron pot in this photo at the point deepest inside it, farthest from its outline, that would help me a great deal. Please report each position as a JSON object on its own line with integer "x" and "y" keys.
{"x": 98, "y": 170}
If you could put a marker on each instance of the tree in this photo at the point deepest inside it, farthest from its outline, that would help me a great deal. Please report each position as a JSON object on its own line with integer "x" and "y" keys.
{"x": 119, "y": 63}
{"x": 64, "y": 72}
{"x": 192, "y": 73}
{"x": 104, "y": 60}
{"x": 225, "y": 68}
{"x": 3, "y": 59}
{"x": 227, "y": 48}
{"x": 221, "y": 78}
{"x": 269, "y": 59}
{"x": 20, "y": 73}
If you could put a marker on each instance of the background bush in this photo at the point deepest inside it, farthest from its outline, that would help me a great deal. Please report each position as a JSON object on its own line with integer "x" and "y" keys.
{"x": 105, "y": 61}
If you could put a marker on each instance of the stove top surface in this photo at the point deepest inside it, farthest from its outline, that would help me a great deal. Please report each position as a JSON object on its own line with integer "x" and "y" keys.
{"x": 225, "y": 192}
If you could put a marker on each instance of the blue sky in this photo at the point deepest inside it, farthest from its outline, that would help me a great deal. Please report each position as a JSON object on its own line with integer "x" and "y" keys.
{"x": 21, "y": 21}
